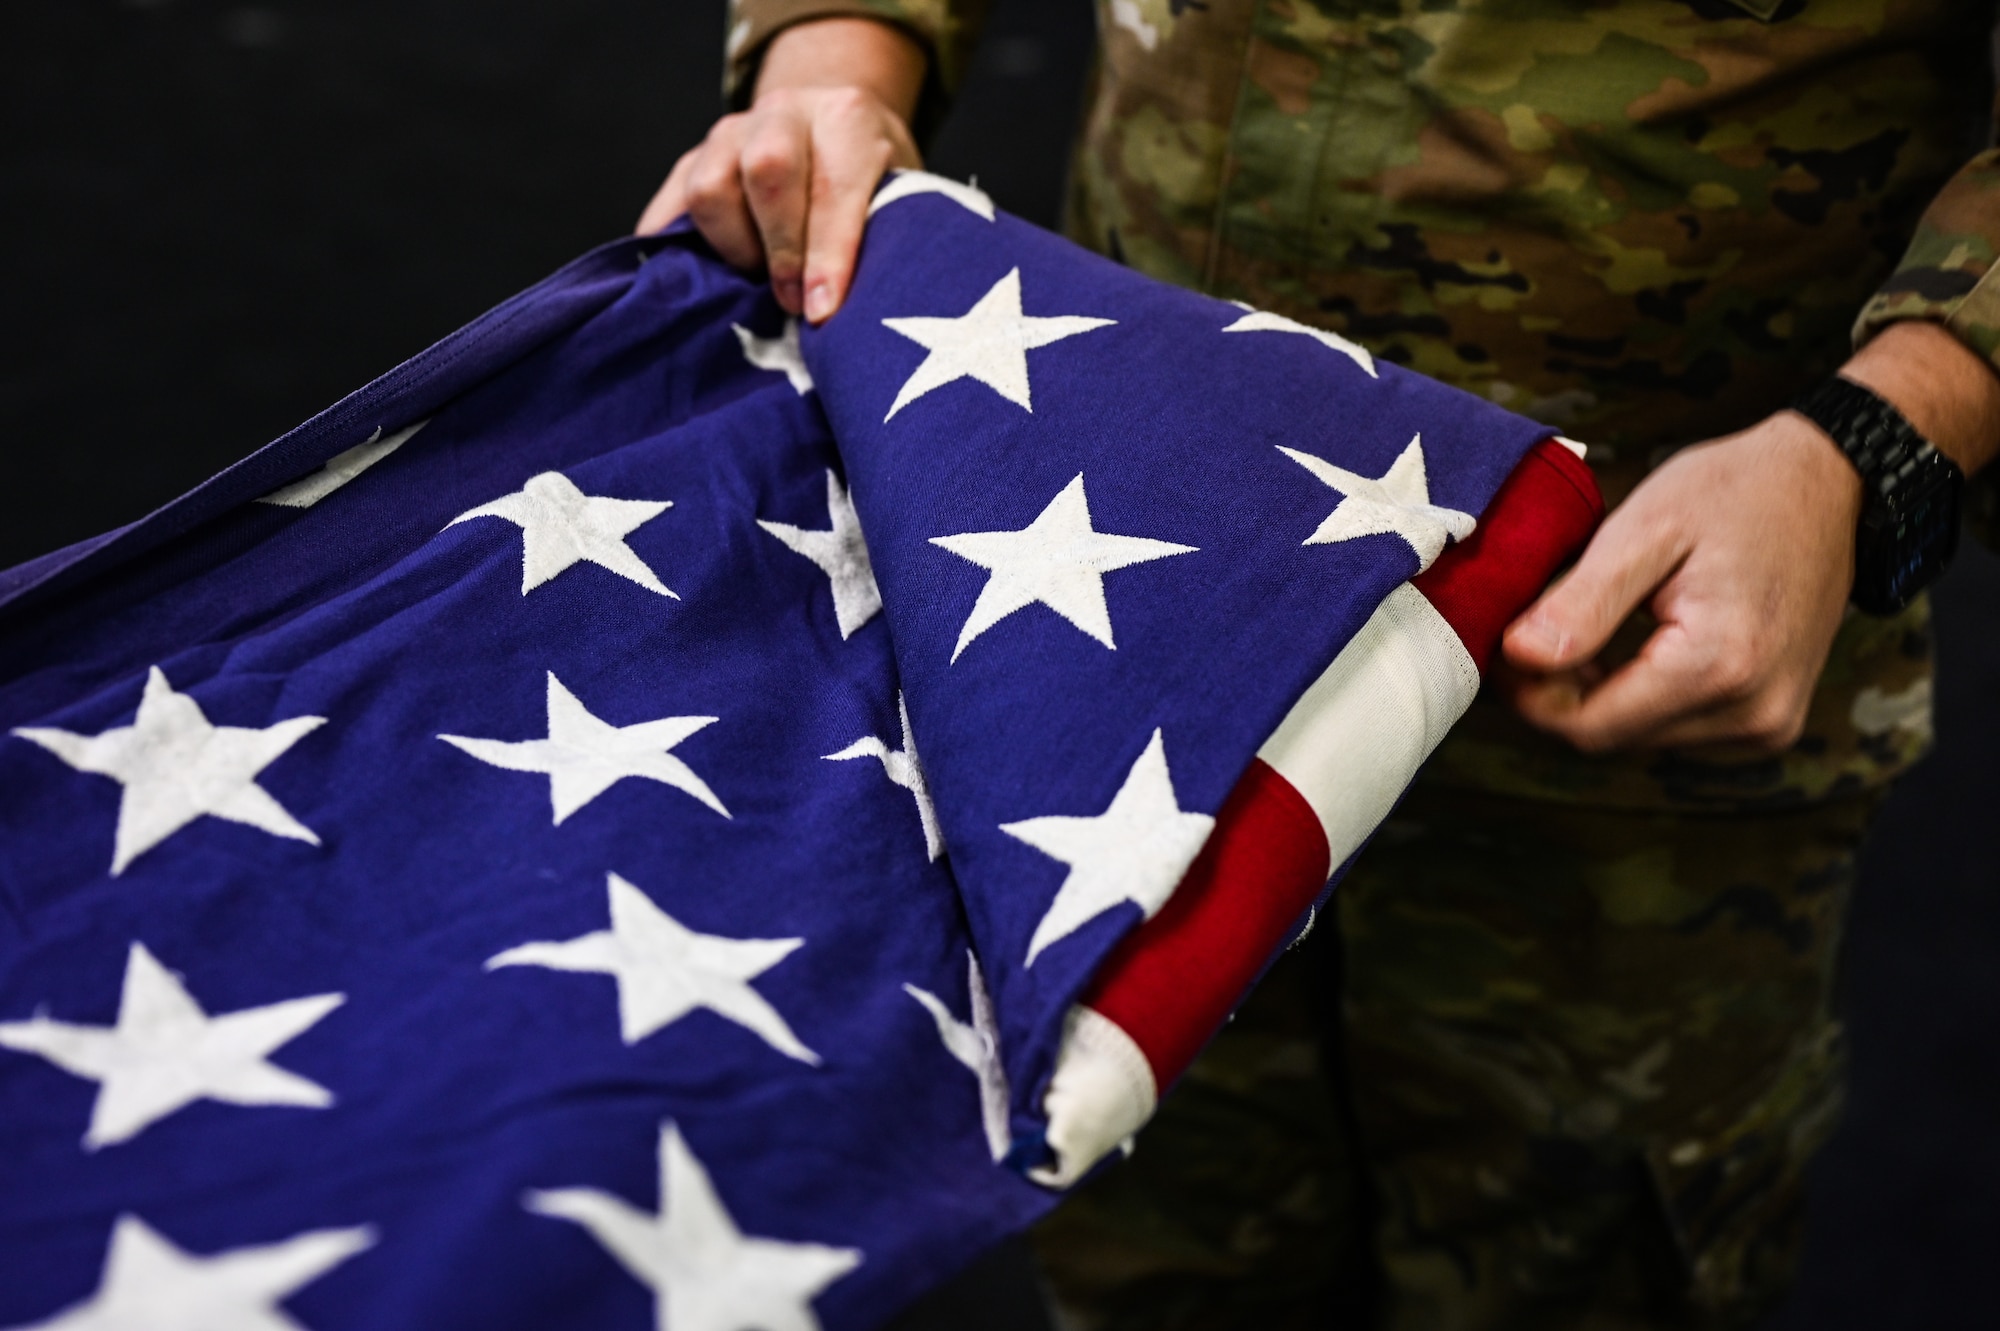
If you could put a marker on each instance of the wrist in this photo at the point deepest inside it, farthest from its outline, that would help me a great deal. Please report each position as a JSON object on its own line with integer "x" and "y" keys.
{"x": 1949, "y": 393}
{"x": 875, "y": 57}
{"x": 1830, "y": 486}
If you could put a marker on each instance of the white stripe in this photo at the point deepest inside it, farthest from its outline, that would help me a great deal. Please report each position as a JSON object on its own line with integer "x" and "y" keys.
{"x": 1356, "y": 738}
{"x": 1350, "y": 746}
{"x": 1101, "y": 1093}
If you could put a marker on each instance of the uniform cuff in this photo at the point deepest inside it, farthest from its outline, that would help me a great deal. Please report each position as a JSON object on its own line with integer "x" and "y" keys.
{"x": 947, "y": 30}
{"x": 1949, "y": 275}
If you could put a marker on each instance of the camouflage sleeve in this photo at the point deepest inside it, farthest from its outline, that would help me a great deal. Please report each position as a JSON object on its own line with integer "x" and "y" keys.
{"x": 1951, "y": 275}
{"x": 946, "y": 28}
{"x": 1951, "y": 272}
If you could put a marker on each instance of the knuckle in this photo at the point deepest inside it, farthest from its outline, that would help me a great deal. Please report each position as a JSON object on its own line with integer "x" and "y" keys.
{"x": 1732, "y": 668}
{"x": 874, "y": 159}
{"x": 846, "y": 104}
{"x": 1776, "y": 723}
{"x": 724, "y": 133}
{"x": 777, "y": 101}
{"x": 711, "y": 184}
{"x": 768, "y": 165}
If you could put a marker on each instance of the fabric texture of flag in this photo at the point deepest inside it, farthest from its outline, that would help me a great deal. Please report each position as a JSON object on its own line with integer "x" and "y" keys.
{"x": 510, "y": 854}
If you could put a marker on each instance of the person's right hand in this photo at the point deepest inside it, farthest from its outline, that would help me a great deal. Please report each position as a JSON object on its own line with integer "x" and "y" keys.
{"x": 786, "y": 184}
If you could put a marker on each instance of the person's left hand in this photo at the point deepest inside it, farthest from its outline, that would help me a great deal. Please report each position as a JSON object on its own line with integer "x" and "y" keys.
{"x": 1743, "y": 549}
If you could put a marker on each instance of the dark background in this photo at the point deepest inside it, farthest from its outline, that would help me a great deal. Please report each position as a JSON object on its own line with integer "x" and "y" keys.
{"x": 221, "y": 218}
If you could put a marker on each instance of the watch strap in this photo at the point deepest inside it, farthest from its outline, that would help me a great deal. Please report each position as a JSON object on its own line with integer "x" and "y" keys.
{"x": 1908, "y": 528}
{"x": 1881, "y": 443}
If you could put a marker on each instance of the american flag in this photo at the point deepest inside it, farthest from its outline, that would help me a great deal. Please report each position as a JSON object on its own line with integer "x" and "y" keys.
{"x": 509, "y": 854}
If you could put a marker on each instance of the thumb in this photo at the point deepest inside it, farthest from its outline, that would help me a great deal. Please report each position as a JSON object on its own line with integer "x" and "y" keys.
{"x": 1570, "y": 622}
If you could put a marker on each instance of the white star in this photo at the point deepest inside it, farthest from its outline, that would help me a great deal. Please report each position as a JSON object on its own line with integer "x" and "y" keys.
{"x": 165, "y": 1052}
{"x": 1262, "y": 321}
{"x": 1398, "y": 503}
{"x": 1059, "y": 559}
{"x": 908, "y": 184}
{"x": 989, "y": 342}
{"x": 666, "y": 970}
{"x": 705, "y": 1273}
{"x": 780, "y": 353}
{"x": 584, "y": 756}
{"x": 175, "y": 767}
{"x": 976, "y": 1044}
{"x": 340, "y": 469}
{"x": 149, "y": 1283}
{"x": 561, "y": 525}
{"x": 841, "y": 554}
{"x": 905, "y": 769}
{"x": 1137, "y": 850}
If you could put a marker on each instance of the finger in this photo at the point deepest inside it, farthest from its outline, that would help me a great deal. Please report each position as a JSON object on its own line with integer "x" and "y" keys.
{"x": 1672, "y": 688}
{"x": 715, "y": 195}
{"x": 1766, "y": 718}
{"x": 670, "y": 201}
{"x": 777, "y": 172}
{"x": 1748, "y": 727}
{"x": 1737, "y": 726}
{"x": 1631, "y": 555}
{"x": 848, "y": 162}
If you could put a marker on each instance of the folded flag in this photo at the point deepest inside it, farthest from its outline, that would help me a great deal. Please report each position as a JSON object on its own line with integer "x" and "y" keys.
{"x": 510, "y": 853}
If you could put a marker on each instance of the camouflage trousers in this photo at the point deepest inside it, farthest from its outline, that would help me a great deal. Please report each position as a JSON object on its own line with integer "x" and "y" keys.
{"x": 1557, "y": 1067}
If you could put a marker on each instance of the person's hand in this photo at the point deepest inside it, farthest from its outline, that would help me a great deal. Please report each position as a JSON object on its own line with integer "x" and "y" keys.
{"x": 1743, "y": 550}
{"x": 785, "y": 185}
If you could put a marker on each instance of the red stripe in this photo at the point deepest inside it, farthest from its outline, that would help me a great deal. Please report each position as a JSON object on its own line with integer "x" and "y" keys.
{"x": 1173, "y": 981}
{"x": 1539, "y": 520}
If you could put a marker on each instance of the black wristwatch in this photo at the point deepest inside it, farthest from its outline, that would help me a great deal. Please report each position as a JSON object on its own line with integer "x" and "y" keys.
{"x": 1910, "y": 494}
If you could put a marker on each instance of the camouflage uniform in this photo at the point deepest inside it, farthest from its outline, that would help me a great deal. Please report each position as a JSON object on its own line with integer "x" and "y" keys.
{"x": 1586, "y": 1030}
{"x": 1584, "y": 1059}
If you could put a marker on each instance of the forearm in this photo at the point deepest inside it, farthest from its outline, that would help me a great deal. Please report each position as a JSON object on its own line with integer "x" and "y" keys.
{"x": 878, "y": 58}
{"x": 1930, "y": 339}
{"x": 1949, "y": 393}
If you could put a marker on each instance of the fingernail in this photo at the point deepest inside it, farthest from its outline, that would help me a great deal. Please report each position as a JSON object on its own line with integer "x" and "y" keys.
{"x": 819, "y": 300}
{"x": 1541, "y": 637}
{"x": 787, "y": 292}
